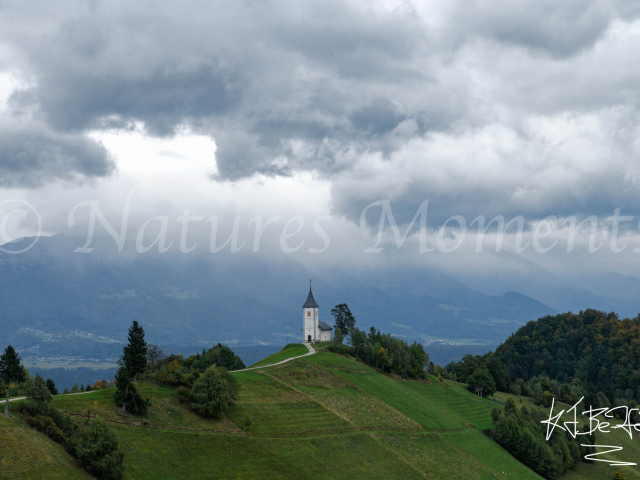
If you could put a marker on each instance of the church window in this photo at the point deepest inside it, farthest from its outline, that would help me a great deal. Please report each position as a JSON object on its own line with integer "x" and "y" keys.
{"x": 308, "y": 313}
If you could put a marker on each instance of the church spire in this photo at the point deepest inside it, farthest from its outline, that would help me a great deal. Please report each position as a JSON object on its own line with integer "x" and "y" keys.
{"x": 311, "y": 302}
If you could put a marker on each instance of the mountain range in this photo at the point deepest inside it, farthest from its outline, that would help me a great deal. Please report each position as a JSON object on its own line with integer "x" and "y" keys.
{"x": 55, "y": 302}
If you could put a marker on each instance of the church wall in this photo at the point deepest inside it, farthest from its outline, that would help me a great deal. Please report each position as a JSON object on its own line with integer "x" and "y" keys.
{"x": 310, "y": 324}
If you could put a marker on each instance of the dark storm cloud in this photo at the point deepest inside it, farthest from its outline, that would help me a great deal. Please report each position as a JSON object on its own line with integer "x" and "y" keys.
{"x": 557, "y": 28}
{"x": 471, "y": 103}
{"x": 31, "y": 156}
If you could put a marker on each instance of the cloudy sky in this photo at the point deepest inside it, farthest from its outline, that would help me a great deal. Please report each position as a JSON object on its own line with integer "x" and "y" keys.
{"x": 317, "y": 109}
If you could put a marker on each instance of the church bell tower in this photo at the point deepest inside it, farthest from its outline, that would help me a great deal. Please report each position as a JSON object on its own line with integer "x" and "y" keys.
{"x": 310, "y": 319}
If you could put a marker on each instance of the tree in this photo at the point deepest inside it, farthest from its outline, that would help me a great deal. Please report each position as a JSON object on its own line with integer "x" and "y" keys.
{"x": 338, "y": 337}
{"x": 52, "y": 387}
{"x": 38, "y": 396}
{"x": 134, "y": 356}
{"x": 212, "y": 392}
{"x": 510, "y": 407}
{"x": 344, "y": 319}
{"x": 619, "y": 476}
{"x": 358, "y": 339}
{"x": 11, "y": 370}
{"x": 75, "y": 388}
{"x": 127, "y": 397}
{"x": 98, "y": 451}
{"x": 481, "y": 382}
{"x": 154, "y": 355}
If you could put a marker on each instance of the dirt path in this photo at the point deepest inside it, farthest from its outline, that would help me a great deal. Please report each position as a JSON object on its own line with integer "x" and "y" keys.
{"x": 308, "y": 345}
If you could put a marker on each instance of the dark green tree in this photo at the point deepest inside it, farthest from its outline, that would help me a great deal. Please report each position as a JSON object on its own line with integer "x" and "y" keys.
{"x": 510, "y": 407}
{"x": 344, "y": 318}
{"x": 38, "y": 396}
{"x": 481, "y": 382}
{"x": 134, "y": 357}
{"x": 338, "y": 337}
{"x": 358, "y": 340}
{"x": 11, "y": 371}
{"x": 98, "y": 451}
{"x": 212, "y": 392}
{"x": 52, "y": 387}
{"x": 127, "y": 397}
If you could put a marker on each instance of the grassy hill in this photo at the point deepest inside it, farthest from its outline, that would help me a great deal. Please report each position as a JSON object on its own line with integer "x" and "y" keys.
{"x": 26, "y": 454}
{"x": 322, "y": 416}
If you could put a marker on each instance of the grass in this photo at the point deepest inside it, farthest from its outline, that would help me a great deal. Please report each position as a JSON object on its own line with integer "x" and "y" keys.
{"x": 321, "y": 416}
{"x": 26, "y": 454}
{"x": 468, "y": 408}
{"x": 165, "y": 411}
{"x": 291, "y": 350}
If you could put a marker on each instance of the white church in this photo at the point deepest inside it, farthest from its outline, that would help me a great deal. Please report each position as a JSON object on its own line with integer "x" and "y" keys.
{"x": 313, "y": 329}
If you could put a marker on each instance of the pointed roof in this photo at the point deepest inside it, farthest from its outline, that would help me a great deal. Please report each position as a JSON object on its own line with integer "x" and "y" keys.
{"x": 311, "y": 302}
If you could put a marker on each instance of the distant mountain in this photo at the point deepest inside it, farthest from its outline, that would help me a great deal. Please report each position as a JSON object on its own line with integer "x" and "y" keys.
{"x": 55, "y": 302}
{"x": 573, "y": 291}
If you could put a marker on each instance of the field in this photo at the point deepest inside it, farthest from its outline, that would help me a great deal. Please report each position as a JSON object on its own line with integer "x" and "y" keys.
{"x": 70, "y": 364}
{"x": 321, "y": 416}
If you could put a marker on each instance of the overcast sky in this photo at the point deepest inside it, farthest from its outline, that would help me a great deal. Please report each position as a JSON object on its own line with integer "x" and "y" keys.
{"x": 320, "y": 108}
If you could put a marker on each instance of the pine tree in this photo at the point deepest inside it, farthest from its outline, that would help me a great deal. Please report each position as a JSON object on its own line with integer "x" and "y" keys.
{"x": 134, "y": 358}
{"x": 52, "y": 387}
{"x": 11, "y": 370}
{"x": 127, "y": 397}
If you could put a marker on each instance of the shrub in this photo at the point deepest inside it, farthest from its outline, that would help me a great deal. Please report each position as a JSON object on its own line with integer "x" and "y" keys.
{"x": 98, "y": 451}
{"x": 47, "y": 426}
{"x": 184, "y": 395}
{"x": 212, "y": 392}
{"x": 38, "y": 396}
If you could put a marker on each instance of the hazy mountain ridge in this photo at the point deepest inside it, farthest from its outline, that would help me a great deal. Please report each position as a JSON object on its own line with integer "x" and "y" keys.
{"x": 237, "y": 299}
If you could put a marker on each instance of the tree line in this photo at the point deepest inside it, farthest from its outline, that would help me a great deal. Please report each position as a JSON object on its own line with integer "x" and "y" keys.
{"x": 592, "y": 354}
{"x": 203, "y": 382}
{"x": 520, "y": 432}
{"x": 381, "y": 351}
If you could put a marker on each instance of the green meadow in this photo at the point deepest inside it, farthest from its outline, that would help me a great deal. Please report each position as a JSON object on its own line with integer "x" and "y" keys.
{"x": 321, "y": 416}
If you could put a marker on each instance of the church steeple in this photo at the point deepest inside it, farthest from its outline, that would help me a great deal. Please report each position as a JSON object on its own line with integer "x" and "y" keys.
{"x": 311, "y": 302}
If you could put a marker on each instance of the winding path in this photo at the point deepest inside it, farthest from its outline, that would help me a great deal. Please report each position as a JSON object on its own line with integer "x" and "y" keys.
{"x": 308, "y": 345}
{"x": 14, "y": 399}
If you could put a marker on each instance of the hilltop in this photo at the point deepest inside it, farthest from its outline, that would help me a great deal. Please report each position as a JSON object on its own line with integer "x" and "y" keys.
{"x": 320, "y": 416}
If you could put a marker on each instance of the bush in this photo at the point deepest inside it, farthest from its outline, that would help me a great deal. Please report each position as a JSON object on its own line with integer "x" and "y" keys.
{"x": 98, "y": 451}
{"x": 47, "y": 426}
{"x": 212, "y": 392}
{"x": 38, "y": 396}
{"x": 184, "y": 395}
